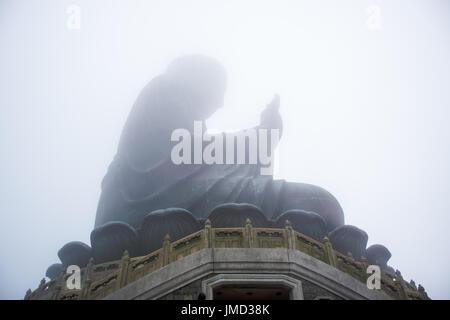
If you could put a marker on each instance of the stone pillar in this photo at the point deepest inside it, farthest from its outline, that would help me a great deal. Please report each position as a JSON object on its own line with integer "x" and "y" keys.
{"x": 364, "y": 266}
{"x": 57, "y": 291}
{"x": 423, "y": 293}
{"x": 330, "y": 252}
{"x": 208, "y": 234}
{"x": 400, "y": 286}
{"x": 86, "y": 285}
{"x": 290, "y": 234}
{"x": 166, "y": 250}
{"x": 27, "y": 295}
{"x": 42, "y": 284}
{"x": 124, "y": 268}
{"x": 249, "y": 233}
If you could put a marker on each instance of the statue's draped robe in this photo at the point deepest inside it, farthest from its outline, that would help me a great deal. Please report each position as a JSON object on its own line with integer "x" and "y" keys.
{"x": 143, "y": 178}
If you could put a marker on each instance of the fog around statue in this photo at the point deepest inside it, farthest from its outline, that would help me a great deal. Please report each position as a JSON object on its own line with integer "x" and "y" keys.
{"x": 143, "y": 178}
{"x": 149, "y": 200}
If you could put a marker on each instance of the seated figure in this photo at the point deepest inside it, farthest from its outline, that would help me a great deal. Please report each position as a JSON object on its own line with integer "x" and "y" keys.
{"x": 142, "y": 177}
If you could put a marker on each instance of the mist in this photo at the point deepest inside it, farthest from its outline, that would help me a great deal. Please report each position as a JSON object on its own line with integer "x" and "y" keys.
{"x": 364, "y": 89}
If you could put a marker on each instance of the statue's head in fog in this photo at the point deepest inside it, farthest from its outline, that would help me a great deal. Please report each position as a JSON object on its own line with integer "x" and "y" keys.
{"x": 199, "y": 79}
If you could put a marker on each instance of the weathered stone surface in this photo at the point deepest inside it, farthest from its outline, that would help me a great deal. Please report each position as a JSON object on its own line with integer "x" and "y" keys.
{"x": 209, "y": 262}
{"x": 284, "y": 268}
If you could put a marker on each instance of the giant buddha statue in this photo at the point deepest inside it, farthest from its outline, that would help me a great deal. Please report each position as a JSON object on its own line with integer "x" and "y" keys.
{"x": 147, "y": 195}
{"x": 143, "y": 178}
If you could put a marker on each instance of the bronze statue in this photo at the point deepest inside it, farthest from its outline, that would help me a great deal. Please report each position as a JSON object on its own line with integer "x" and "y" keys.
{"x": 142, "y": 178}
{"x": 149, "y": 199}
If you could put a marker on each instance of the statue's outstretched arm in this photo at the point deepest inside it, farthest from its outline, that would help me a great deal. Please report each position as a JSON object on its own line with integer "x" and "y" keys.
{"x": 270, "y": 117}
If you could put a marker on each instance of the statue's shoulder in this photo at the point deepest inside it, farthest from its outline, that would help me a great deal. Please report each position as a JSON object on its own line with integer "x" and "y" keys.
{"x": 156, "y": 86}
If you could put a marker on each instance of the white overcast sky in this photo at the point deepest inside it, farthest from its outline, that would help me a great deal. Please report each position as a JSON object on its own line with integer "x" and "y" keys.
{"x": 365, "y": 112}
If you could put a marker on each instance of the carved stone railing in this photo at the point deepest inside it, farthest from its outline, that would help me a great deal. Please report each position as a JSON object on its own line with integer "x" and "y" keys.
{"x": 100, "y": 280}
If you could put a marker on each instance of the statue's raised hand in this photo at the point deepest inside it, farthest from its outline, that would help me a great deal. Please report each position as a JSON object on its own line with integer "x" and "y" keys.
{"x": 270, "y": 117}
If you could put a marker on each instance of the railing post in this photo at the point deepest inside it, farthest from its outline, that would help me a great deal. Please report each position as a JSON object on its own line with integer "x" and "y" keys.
{"x": 330, "y": 252}
{"x": 249, "y": 233}
{"x": 27, "y": 294}
{"x": 87, "y": 280}
{"x": 290, "y": 235}
{"x": 364, "y": 266}
{"x": 166, "y": 250}
{"x": 208, "y": 234}
{"x": 399, "y": 284}
{"x": 57, "y": 291}
{"x": 423, "y": 293}
{"x": 124, "y": 268}
{"x": 413, "y": 284}
{"x": 42, "y": 284}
